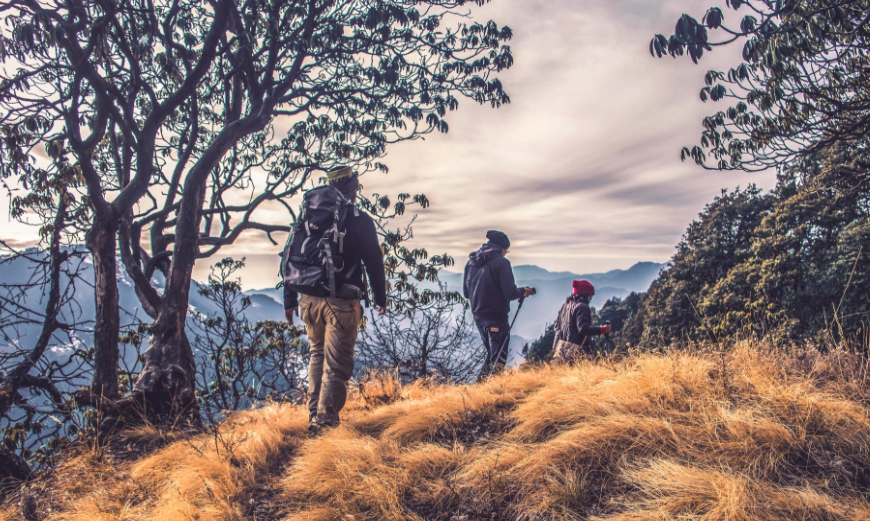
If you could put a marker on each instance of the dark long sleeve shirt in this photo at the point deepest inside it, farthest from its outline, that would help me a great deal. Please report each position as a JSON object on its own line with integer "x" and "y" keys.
{"x": 489, "y": 284}
{"x": 574, "y": 323}
{"x": 362, "y": 249}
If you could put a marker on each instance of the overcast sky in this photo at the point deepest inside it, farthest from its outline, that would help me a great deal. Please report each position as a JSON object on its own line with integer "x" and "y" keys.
{"x": 582, "y": 169}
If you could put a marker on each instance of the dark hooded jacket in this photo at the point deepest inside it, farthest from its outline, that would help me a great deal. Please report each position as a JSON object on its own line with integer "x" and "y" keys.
{"x": 574, "y": 323}
{"x": 489, "y": 284}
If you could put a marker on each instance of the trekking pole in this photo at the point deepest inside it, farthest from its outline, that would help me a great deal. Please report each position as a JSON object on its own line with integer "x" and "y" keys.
{"x": 507, "y": 338}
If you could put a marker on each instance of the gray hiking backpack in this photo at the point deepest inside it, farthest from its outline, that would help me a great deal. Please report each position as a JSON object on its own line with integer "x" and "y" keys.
{"x": 313, "y": 261}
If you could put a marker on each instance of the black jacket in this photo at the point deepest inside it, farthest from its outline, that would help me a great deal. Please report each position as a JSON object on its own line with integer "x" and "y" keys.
{"x": 360, "y": 245}
{"x": 489, "y": 284}
{"x": 574, "y": 323}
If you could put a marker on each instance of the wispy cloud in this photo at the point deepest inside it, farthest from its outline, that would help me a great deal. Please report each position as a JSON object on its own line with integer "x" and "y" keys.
{"x": 17, "y": 244}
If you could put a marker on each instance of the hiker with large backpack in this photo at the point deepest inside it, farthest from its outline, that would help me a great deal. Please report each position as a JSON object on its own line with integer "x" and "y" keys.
{"x": 332, "y": 247}
{"x": 490, "y": 286}
{"x": 574, "y": 325}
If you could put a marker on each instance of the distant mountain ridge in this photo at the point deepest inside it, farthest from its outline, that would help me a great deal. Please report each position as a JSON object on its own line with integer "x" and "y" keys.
{"x": 532, "y": 272}
{"x": 636, "y": 278}
{"x": 554, "y": 287}
{"x": 267, "y": 303}
{"x": 18, "y": 270}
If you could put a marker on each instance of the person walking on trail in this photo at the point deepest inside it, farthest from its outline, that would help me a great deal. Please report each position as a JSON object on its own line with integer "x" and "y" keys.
{"x": 490, "y": 286}
{"x": 574, "y": 325}
{"x": 331, "y": 244}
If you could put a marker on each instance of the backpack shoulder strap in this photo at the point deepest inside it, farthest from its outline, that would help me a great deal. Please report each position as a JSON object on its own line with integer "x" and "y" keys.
{"x": 285, "y": 254}
{"x": 330, "y": 269}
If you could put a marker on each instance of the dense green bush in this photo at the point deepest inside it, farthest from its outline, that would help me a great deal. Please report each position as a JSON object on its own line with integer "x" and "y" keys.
{"x": 790, "y": 264}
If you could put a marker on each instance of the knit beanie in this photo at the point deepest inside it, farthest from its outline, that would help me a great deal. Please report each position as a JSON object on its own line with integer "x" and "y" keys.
{"x": 344, "y": 179}
{"x": 583, "y": 287}
{"x": 498, "y": 238}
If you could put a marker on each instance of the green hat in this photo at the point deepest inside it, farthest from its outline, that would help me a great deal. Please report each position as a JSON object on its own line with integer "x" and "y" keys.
{"x": 339, "y": 173}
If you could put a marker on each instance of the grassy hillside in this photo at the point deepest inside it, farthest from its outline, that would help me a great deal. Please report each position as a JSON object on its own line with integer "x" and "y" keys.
{"x": 751, "y": 435}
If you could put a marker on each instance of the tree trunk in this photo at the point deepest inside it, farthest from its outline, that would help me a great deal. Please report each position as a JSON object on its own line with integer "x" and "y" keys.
{"x": 12, "y": 466}
{"x": 101, "y": 243}
{"x": 167, "y": 382}
{"x": 166, "y": 385}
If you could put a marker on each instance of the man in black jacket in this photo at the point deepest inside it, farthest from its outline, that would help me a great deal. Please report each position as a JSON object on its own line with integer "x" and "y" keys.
{"x": 490, "y": 286}
{"x": 332, "y": 324}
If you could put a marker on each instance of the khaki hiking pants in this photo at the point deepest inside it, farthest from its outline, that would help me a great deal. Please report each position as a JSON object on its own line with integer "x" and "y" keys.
{"x": 567, "y": 352}
{"x": 332, "y": 325}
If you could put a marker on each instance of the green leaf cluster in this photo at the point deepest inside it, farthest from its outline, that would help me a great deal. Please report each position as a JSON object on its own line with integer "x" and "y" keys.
{"x": 802, "y": 85}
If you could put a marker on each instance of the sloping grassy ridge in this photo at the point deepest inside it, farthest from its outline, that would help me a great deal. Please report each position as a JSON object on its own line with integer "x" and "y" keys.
{"x": 751, "y": 435}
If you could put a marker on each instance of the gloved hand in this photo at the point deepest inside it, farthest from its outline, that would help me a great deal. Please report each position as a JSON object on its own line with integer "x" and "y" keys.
{"x": 606, "y": 329}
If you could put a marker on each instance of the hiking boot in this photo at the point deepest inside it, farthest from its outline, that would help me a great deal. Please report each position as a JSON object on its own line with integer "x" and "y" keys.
{"x": 316, "y": 428}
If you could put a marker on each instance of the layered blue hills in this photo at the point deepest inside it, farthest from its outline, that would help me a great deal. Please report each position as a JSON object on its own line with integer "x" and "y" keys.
{"x": 266, "y": 304}
{"x": 553, "y": 288}
{"x": 80, "y": 309}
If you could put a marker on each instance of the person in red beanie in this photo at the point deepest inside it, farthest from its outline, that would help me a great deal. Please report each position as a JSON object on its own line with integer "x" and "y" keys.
{"x": 574, "y": 324}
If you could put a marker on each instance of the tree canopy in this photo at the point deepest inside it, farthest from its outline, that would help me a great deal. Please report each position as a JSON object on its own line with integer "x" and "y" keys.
{"x": 802, "y": 85}
{"x": 788, "y": 265}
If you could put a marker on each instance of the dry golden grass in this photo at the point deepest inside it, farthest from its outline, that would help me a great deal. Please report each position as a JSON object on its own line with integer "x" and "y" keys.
{"x": 754, "y": 434}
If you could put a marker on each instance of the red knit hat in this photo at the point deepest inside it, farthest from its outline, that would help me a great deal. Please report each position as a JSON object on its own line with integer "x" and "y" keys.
{"x": 583, "y": 287}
